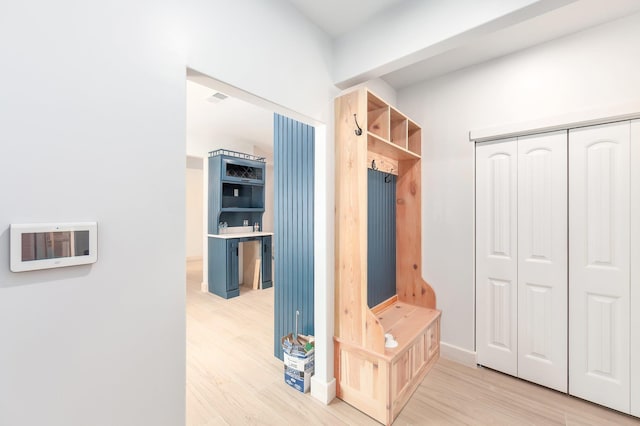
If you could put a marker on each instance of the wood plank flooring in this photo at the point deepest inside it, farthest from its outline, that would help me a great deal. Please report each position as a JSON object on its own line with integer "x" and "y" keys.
{"x": 234, "y": 379}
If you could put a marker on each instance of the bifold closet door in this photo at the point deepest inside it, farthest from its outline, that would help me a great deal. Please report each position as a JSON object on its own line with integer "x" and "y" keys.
{"x": 496, "y": 255}
{"x": 635, "y": 268}
{"x": 542, "y": 259}
{"x": 599, "y": 266}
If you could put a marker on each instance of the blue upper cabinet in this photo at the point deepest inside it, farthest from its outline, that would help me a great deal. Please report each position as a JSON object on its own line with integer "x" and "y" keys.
{"x": 236, "y": 189}
{"x": 241, "y": 170}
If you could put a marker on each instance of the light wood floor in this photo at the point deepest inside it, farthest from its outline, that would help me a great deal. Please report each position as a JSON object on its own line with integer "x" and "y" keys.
{"x": 234, "y": 379}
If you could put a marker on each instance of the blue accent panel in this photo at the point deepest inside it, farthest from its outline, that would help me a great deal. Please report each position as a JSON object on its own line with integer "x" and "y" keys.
{"x": 381, "y": 243}
{"x": 293, "y": 212}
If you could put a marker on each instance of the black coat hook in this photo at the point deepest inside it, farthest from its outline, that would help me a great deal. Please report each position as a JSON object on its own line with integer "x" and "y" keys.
{"x": 387, "y": 177}
{"x": 373, "y": 165}
{"x": 358, "y": 131}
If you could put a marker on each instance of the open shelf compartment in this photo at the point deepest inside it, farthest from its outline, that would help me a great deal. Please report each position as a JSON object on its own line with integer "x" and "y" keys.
{"x": 398, "y": 129}
{"x": 380, "y": 146}
{"x": 415, "y": 138}
{"x": 237, "y": 195}
{"x": 377, "y": 116}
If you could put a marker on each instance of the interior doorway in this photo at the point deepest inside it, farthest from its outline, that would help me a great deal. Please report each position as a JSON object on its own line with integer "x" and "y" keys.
{"x": 218, "y": 328}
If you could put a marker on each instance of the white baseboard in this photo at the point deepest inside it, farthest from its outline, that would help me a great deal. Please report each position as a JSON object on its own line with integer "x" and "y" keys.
{"x": 323, "y": 391}
{"x": 459, "y": 355}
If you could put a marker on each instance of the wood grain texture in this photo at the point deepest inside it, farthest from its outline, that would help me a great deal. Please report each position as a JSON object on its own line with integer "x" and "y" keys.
{"x": 380, "y": 382}
{"x": 257, "y": 282}
{"x": 234, "y": 379}
{"x": 364, "y": 377}
{"x": 410, "y": 285}
{"x": 384, "y": 147}
{"x": 382, "y": 306}
{"x": 251, "y": 251}
{"x": 351, "y": 245}
{"x": 382, "y": 163}
{"x": 415, "y": 138}
{"x": 398, "y": 129}
{"x": 351, "y": 230}
{"x": 406, "y": 322}
{"x": 378, "y": 115}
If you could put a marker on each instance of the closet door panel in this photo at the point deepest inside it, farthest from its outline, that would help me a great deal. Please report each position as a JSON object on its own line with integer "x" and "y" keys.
{"x": 635, "y": 268}
{"x": 496, "y": 255}
{"x": 542, "y": 259}
{"x": 599, "y": 265}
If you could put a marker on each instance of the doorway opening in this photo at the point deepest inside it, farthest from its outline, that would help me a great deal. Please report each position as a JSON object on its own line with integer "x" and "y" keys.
{"x": 229, "y": 341}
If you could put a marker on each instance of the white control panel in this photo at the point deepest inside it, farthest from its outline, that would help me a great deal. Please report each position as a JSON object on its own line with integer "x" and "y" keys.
{"x": 52, "y": 245}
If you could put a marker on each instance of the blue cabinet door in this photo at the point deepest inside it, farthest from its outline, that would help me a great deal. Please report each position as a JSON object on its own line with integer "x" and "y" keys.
{"x": 223, "y": 267}
{"x": 232, "y": 268}
{"x": 238, "y": 170}
{"x": 267, "y": 280}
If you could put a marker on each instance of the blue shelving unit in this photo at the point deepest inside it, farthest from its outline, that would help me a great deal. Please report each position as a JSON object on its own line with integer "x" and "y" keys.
{"x": 236, "y": 189}
{"x": 236, "y": 193}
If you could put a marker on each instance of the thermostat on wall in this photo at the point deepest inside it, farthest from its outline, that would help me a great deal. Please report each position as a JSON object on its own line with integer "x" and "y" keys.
{"x": 52, "y": 245}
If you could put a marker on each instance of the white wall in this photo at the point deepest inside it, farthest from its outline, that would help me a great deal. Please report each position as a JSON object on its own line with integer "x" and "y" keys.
{"x": 590, "y": 69}
{"x": 380, "y": 88}
{"x": 194, "y": 202}
{"x": 92, "y": 124}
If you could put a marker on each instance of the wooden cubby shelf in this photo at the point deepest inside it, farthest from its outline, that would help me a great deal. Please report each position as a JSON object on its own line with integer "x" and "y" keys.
{"x": 398, "y": 126}
{"x": 377, "y": 116}
{"x": 379, "y": 380}
{"x": 415, "y": 138}
{"x": 380, "y": 146}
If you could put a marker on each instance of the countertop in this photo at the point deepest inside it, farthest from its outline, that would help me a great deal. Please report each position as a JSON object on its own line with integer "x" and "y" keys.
{"x": 241, "y": 235}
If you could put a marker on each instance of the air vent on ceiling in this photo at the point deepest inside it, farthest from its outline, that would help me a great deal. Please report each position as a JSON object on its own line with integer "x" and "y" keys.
{"x": 217, "y": 97}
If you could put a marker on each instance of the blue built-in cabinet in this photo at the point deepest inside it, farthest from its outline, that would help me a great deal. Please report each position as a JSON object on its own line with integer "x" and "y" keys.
{"x": 223, "y": 275}
{"x": 236, "y": 189}
{"x": 236, "y": 194}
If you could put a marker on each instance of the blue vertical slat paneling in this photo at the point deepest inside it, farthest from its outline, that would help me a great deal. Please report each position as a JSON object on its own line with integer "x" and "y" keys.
{"x": 381, "y": 241}
{"x": 293, "y": 214}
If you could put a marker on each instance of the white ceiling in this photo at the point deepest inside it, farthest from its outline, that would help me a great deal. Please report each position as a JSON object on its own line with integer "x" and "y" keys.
{"x": 336, "y": 17}
{"x": 240, "y": 120}
{"x": 211, "y": 124}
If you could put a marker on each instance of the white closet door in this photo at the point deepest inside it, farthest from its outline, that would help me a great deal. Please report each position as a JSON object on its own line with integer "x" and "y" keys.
{"x": 542, "y": 259}
{"x": 635, "y": 268}
{"x": 496, "y": 255}
{"x": 599, "y": 264}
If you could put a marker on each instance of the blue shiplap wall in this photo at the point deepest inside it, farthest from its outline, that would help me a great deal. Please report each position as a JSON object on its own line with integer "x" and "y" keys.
{"x": 381, "y": 241}
{"x": 293, "y": 213}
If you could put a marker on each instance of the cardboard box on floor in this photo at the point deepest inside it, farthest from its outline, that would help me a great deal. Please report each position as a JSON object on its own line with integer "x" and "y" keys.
{"x": 298, "y": 360}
